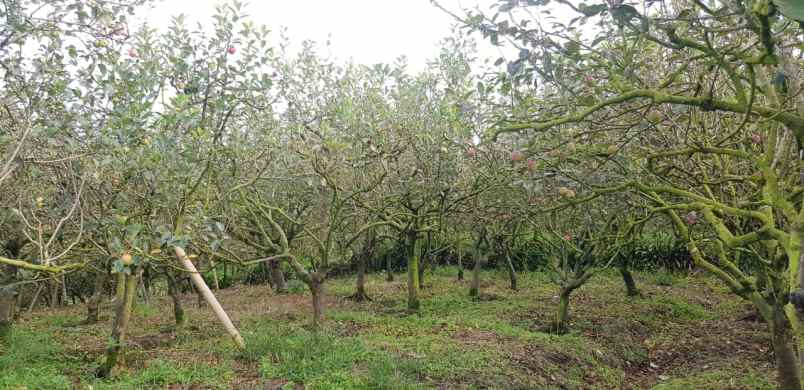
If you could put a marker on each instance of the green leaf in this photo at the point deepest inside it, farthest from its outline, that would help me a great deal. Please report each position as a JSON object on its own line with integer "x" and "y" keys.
{"x": 591, "y": 10}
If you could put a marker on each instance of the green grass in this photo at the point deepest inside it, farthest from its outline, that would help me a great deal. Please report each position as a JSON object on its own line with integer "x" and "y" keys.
{"x": 160, "y": 373}
{"x": 452, "y": 342}
{"x": 721, "y": 379}
{"x": 32, "y": 359}
{"x": 320, "y": 360}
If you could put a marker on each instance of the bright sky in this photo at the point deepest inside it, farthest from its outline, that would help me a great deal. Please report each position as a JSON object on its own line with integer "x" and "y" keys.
{"x": 368, "y": 31}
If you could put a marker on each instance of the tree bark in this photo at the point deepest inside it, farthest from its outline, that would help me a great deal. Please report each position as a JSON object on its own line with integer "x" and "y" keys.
{"x": 175, "y": 297}
{"x": 413, "y": 270}
{"x": 120, "y": 286}
{"x": 424, "y": 258}
{"x": 559, "y": 325}
{"x": 204, "y": 290}
{"x": 474, "y": 289}
{"x": 53, "y": 287}
{"x": 365, "y": 254}
{"x": 215, "y": 283}
{"x": 511, "y": 269}
{"x": 93, "y": 304}
{"x": 389, "y": 273}
{"x": 785, "y": 351}
{"x": 8, "y": 301}
{"x": 277, "y": 277}
{"x": 36, "y": 297}
{"x": 460, "y": 263}
{"x": 125, "y": 302}
{"x": 628, "y": 280}
{"x": 317, "y": 290}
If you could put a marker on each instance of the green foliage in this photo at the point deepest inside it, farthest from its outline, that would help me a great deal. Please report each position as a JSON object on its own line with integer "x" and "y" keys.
{"x": 160, "y": 373}
{"x": 33, "y": 360}
{"x": 320, "y": 360}
{"x": 719, "y": 379}
{"x": 663, "y": 278}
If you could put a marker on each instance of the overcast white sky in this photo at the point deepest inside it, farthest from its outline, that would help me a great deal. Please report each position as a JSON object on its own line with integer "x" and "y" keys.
{"x": 368, "y": 31}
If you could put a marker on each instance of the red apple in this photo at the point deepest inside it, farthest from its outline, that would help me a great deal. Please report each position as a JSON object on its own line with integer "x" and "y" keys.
{"x": 691, "y": 218}
{"x": 231, "y": 50}
{"x": 517, "y": 156}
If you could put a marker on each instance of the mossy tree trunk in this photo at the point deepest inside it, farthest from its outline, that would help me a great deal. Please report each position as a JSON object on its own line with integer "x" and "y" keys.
{"x": 93, "y": 304}
{"x": 509, "y": 265}
{"x": 362, "y": 258}
{"x": 785, "y": 350}
{"x": 316, "y": 284}
{"x": 474, "y": 289}
{"x": 480, "y": 256}
{"x": 414, "y": 248}
{"x": 175, "y": 297}
{"x": 559, "y": 324}
{"x": 460, "y": 262}
{"x": 424, "y": 257}
{"x": 277, "y": 277}
{"x": 116, "y": 347}
{"x": 389, "y": 272}
{"x": 628, "y": 279}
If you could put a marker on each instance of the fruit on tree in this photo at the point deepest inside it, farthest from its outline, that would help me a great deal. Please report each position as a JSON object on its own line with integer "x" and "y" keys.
{"x": 532, "y": 165}
{"x": 517, "y": 156}
{"x": 127, "y": 259}
{"x": 566, "y": 192}
{"x": 231, "y": 50}
{"x": 756, "y": 138}
{"x": 691, "y": 218}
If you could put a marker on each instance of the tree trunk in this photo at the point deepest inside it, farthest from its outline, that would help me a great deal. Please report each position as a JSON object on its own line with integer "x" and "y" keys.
{"x": 144, "y": 289}
{"x": 175, "y": 297}
{"x": 424, "y": 258}
{"x": 277, "y": 277}
{"x": 460, "y": 263}
{"x": 36, "y": 297}
{"x": 785, "y": 351}
{"x": 202, "y": 287}
{"x": 511, "y": 270}
{"x": 474, "y": 289}
{"x": 559, "y": 325}
{"x": 317, "y": 290}
{"x": 125, "y": 302}
{"x": 120, "y": 287}
{"x": 93, "y": 305}
{"x": 8, "y": 301}
{"x": 628, "y": 279}
{"x": 53, "y": 288}
{"x": 389, "y": 273}
{"x": 413, "y": 270}
{"x": 360, "y": 288}
{"x": 215, "y": 283}
{"x": 362, "y": 260}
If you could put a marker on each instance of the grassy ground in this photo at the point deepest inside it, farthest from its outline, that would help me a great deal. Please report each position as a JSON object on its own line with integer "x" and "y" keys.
{"x": 687, "y": 332}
